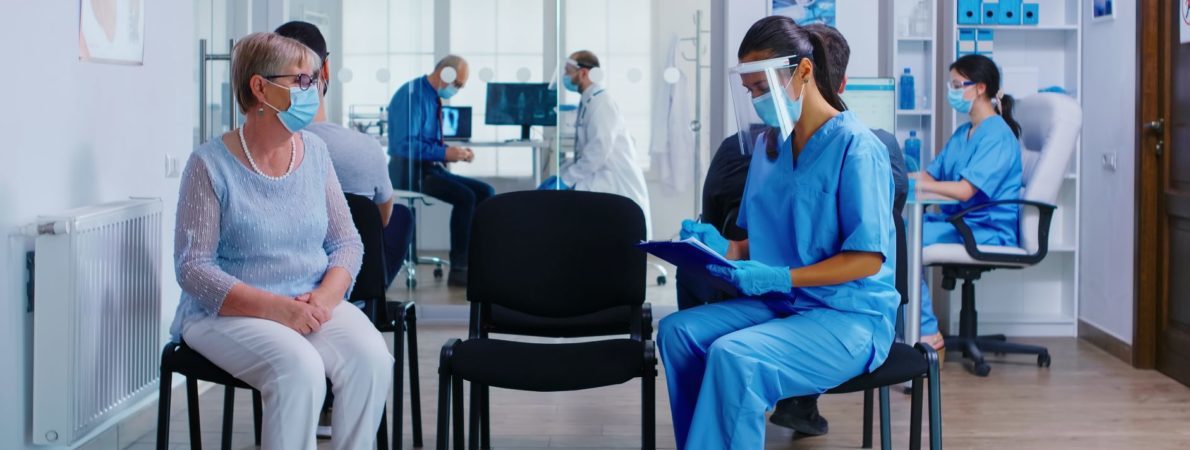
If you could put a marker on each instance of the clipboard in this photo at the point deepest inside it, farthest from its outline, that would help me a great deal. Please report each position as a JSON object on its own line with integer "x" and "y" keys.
{"x": 692, "y": 255}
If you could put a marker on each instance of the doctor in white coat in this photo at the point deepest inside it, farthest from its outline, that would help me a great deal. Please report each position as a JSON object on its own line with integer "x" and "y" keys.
{"x": 605, "y": 155}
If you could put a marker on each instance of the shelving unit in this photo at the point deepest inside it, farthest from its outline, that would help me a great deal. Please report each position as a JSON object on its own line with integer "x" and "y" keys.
{"x": 1042, "y": 300}
{"x": 916, "y": 48}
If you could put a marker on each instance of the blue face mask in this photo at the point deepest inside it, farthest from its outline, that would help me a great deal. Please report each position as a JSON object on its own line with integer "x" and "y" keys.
{"x": 448, "y": 91}
{"x": 569, "y": 84}
{"x": 303, "y": 106}
{"x": 955, "y": 96}
{"x": 766, "y": 108}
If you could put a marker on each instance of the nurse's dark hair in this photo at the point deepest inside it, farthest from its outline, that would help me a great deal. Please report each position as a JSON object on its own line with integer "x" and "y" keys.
{"x": 981, "y": 69}
{"x": 777, "y": 36}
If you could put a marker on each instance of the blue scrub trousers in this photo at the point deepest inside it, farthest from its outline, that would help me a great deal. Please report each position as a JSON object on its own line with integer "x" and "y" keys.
{"x": 727, "y": 363}
{"x": 934, "y": 230}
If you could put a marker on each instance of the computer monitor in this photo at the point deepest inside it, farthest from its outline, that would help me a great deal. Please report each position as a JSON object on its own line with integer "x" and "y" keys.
{"x": 874, "y": 101}
{"x": 524, "y": 104}
{"x": 456, "y": 123}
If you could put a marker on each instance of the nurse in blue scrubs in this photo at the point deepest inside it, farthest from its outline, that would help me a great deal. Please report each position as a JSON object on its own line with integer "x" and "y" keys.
{"x": 816, "y": 276}
{"x": 981, "y": 163}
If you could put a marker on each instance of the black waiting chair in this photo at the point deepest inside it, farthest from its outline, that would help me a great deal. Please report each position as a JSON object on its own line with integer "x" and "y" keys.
{"x": 399, "y": 318}
{"x": 368, "y": 294}
{"x": 904, "y": 363}
{"x": 584, "y": 240}
{"x": 1050, "y": 127}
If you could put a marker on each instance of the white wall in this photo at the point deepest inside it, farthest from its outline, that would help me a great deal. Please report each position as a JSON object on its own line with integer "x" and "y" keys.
{"x": 1106, "y": 254}
{"x": 76, "y": 134}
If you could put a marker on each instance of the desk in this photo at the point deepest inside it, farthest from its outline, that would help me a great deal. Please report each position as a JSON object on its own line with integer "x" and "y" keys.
{"x": 917, "y": 206}
{"x": 533, "y": 145}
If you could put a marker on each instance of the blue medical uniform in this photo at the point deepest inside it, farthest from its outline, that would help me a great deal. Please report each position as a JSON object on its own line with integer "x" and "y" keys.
{"x": 729, "y": 362}
{"x": 991, "y": 161}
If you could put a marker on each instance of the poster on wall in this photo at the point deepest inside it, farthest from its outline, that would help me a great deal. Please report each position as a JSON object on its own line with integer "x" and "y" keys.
{"x": 806, "y": 12}
{"x": 1103, "y": 9}
{"x": 1185, "y": 20}
{"x": 112, "y": 31}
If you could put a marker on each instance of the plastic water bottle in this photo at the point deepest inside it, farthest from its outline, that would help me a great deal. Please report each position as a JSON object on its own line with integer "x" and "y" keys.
{"x": 912, "y": 152}
{"x": 907, "y": 97}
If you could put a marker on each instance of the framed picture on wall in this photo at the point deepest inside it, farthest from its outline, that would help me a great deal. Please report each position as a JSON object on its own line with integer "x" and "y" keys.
{"x": 112, "y": 31}
{"x": 1103, "y": 9}
{"x": 806, "y": 12}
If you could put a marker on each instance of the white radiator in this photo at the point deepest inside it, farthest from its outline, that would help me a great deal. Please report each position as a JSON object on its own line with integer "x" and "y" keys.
{"x": 96, "y": 317}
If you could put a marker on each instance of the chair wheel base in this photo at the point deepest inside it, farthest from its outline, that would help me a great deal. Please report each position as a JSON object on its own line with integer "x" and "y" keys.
{"x": 981, "y": 369}
{"x": 438, "y": 273}
{"x": 1043, "y": 360}
{"x": 661, "y": 280}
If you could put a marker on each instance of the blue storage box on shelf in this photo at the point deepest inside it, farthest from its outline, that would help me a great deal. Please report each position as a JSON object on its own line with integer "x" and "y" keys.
{"x": 1010, "y": 12}
{"x": 966, "y": 42}
{"x": 991, "y": 13}
{"x": 1029, "y": 13}
{"x": 968, "y": 12}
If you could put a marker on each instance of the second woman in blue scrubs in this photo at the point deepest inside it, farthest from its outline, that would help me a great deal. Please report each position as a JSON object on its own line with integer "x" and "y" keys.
{"x": 816, "y": 273}
{"x": 981, "y": 163}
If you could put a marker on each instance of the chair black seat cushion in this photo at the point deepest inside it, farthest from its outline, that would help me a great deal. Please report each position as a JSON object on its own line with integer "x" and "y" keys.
{"x": 548, "y": 367}
{"x": 608, "y": 322}
{"x": 903, "y": 364}
{"x": 186, "y": 361}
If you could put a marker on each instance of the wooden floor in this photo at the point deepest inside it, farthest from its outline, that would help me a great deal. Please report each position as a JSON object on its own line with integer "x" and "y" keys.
{"x": 1086, "y": 400}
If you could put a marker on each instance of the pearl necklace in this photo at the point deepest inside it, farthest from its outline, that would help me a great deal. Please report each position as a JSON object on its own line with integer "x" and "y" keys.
{"x": 252, "y": 162}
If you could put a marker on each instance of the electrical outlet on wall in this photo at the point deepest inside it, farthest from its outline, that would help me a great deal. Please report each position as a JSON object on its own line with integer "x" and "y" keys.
{"x": 1109, "y": 161}
{"x": 171, "y": 166}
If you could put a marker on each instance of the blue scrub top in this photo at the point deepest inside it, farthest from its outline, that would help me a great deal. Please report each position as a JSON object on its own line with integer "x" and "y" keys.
{"x": 991, "y": 161}
{"x": 836, "y": 197}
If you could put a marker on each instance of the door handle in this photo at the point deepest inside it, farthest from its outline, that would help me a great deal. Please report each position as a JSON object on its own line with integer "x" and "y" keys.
{"x": 1155, "y": 126}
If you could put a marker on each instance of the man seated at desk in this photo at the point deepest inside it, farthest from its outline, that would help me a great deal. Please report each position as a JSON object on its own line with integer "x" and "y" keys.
{"x": 419, "y": 155}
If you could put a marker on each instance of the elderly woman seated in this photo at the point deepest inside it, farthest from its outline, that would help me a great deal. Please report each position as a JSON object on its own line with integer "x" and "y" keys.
{"x": 265, "y": 251}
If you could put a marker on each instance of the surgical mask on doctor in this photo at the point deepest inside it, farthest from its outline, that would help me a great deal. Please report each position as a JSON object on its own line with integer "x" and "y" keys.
{"x": 303, "y": 105}
{"x": 448, "y": 91}
{"x": 955, "y": 96}
{"x": 766, "y": 108}
{"x": 569, "y": 84}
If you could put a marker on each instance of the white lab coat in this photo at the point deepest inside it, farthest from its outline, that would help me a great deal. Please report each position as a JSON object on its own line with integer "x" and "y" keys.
{"x": 605, "y": 156}
{"x": 672, "y": 148}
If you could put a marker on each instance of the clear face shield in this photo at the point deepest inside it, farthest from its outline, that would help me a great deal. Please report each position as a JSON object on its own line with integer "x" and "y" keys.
{"x": 765, "y": 101}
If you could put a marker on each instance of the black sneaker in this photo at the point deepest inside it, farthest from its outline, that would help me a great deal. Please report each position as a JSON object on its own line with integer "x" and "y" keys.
{"x": 800, "y": 414}
{"x": 457, "y": 278}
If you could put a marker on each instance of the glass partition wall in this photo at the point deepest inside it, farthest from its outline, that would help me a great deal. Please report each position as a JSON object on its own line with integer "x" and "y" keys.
{"x": 514, "y": 112}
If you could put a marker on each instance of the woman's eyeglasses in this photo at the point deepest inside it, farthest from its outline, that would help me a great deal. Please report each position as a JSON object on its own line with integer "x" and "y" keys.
{"x": 959, "y": 84}
{"x": 304, "y": 81}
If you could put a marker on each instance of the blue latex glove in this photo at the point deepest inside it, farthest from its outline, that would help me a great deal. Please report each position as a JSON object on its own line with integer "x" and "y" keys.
{"x": 553, "y": 183}
{"x": 753, "y": 278}
{"x": 706, "y": 234}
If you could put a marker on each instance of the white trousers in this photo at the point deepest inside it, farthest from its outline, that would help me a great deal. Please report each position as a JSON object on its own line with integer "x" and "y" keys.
{"x": 290, "y": 371}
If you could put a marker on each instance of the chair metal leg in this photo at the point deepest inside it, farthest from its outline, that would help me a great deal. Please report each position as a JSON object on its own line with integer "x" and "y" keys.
{"x": 867, "y": 419}
{"x": 443, "y": 410}
{"x": 382, "y": 433}
{"x": 458, "y": 413}
{"x": 648, "y": 404}
{"x": 935, "y": 407}
{"x": 475, "y": 408}
{"x": 164, "y": 396}
{"x": 399, "y": 379}
{"x": 885, "y": 420}
{"x": 192, "y": 408}
{"x": 229, "y": 408}
{"x": 414, "y": 378}
{"x": 915, "y": 416}
{"x": 485, "y": 422}
{"x": 257, "y": 414}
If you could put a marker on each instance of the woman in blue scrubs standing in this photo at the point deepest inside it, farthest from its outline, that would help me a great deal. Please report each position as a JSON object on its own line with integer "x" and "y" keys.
{"x": 981, "y": 163}
{"x": 816, "y": 275}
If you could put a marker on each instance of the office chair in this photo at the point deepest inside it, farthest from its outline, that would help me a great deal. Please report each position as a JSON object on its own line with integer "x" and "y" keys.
{"x": 584, "y": 277}
{"x": 1050, "y": 125}
{"x": 412, "y": 259}
{"x": 399, "y": 318}
{"x": 904, "y": 363}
